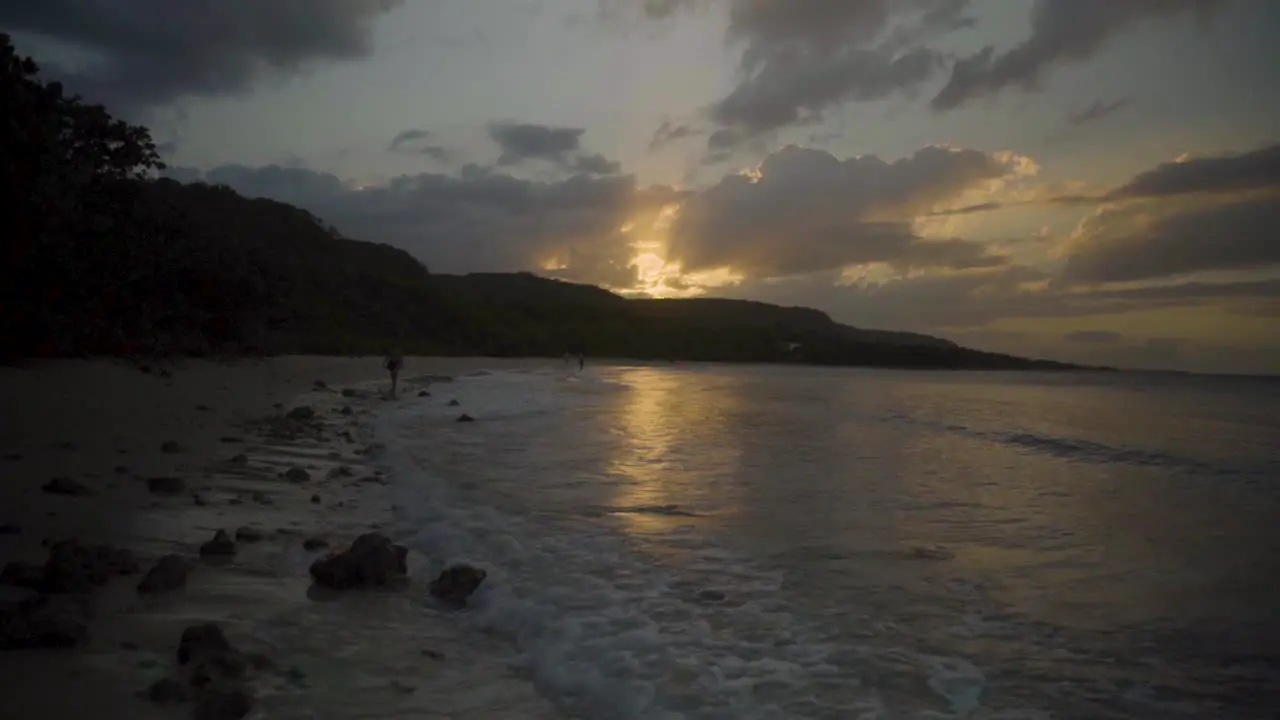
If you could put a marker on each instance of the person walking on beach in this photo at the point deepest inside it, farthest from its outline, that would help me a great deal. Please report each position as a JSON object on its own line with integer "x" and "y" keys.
{"x": 393, "y": 361}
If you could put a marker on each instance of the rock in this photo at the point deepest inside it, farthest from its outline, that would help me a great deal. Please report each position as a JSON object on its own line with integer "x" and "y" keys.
{"x": 465, "y": 418}
{"x": 302, "y": 413}
{"x": 423, "y": 393}
{"x": 199, "y": 500}
{"x": 44, "y": 621}
{"x": 370, "y": 561}
{"x": 346, "y": 435}
{"x": 23, "y": 575}
{"x": 314, "y": 543}
{"x": 457, "y": 583}
{"x": 165, "y": 485}
{"x": 220, "y": 546}
{"x": 170, "y": 447}
{"x": 239, "y": 459}
{"x": 227, "y": 703}
{"x": 334, "y": 455}
{"x": 130, "y": 646}
{"x": 167, "y": 690}
{"x": 315, "y": 499}
{"x": 169, "y": 573}
{"x": 346, "y": 410}
{"x": 250, "y": 534}
{"x": 203, "y": 408}
{"x": 229, "y": 439}
{"x": 373, "y": 479}
{"x": 120, "y": 470}
{"x": 76, "y": 568}
{"x": 66, "y": 486}
{"x": 320, "y": 385}
{"x": 208, "y": 659}
{"x": 201, "y": 642}
{"x": 341, "y": 471}
{"x": 711, "y": 596}
{"x": 350, "y": 392}
{"x": 454, "y": 403}
{"x": 10, "y": 529}
{"x": 297, "y": 475}
{"x": 262, "y": 498}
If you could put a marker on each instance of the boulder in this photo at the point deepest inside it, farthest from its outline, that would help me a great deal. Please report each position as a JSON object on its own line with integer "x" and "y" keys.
{"x": 315, "y": 543}
{"x": 225, "y": 703}
{"x": 465, "y": 418}
{"x": 454, "y": 403}
{"x": 346, "y": 410}
{"x": 250, "y": 534}
{"x": 297, "y": 475}
{"x": 44, "y": 621}
{"x": 456, "y": 583}
{"x": 165, "y": 485}
{"x": 302, "y": 413}
{"x": 170, "y": 447}
{"x": 73, "y": 567}
{"x": 23, "y": 575}
{"x": 169, "y": 573}
{"x": 372, "y": 560}
{"x": 66, "y": 486}
{"x": 220, "y": 546}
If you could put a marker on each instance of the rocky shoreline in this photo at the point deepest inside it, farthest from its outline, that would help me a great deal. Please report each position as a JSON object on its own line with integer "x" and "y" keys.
{"x": 235, "y": 565}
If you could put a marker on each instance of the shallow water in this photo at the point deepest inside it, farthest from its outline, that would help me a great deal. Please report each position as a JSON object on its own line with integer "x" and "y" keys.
{"x": 766, "y": 542}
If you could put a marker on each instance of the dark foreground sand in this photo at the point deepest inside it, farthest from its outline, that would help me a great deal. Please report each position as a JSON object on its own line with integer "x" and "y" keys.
{"x": 110, "y": 427}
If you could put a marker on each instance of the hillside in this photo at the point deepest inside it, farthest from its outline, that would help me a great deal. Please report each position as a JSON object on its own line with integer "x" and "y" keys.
{"x": 104, "y": 259}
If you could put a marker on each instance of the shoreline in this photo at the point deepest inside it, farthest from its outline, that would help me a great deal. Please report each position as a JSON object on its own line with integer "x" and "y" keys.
{"x": 217, "y": 429}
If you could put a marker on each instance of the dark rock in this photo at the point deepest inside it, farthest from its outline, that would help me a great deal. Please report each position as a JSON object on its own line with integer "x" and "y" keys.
{"x": 226, "y": 703}
{"x": 297, "y": 475}
{"x": 229, "y": 439}
{"x": 315, "y": 499}
{"x": 320, "y": 385}
{"x": 250, "y": 534}
{"x": 169, "y": 573}
{"x": 711, "y": 596}
{"x": 167, "y": 690}
{"x": 203, "y": 408}
{"x": 23, "y": 575}
{"x": 278, "y": 406}
{"x": 302, "y": 413}
{"x": 120, "y": 469}
{"x": 44, "y": 621}
{"x": 457, "y": 583}
{"x": 465, "y": 418}
{"x": 262, "y": 498}
{"x": 350, "y": 392}
{"x": 370, "y": 561}
{"x": 166, "y": 485}
{"x": 342, "y": 471}
{"x": 423, "y": 393}
{"x": 346, "y": 435}
{"x": 171, "y": 447}
{"x": 334, "y": 455}
{"x": 76, "y": 568}
{"x": 220, "y": 546}
{"x": 314, "y": 543}
{"x": 454, "y": 403}
{"x": 130, "y": 646}
{"x": 9, "y": 529}
{"x": 201, "y": 642}
{"x": 373, "y": 479}
{"x": 199, "y": 500}
{"x": 346, "y": 410}
{"x": 66, "y": 486}
{"x": 13, "y": 457}
{"x": 239, "y": 459}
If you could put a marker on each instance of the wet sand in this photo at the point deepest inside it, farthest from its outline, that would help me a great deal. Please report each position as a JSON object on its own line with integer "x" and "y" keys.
{"x": 111, "y": 427}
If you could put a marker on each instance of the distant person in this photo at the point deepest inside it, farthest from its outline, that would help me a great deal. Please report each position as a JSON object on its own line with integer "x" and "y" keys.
{"x": 393, "y": 361}
{"x": 582, "y": 361}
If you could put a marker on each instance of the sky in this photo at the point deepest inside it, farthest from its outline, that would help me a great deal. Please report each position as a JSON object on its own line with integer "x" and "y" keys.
{"x": 1084, "y": 180}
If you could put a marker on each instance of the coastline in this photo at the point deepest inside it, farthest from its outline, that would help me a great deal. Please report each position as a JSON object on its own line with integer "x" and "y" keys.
{"x": 111, "y": 428}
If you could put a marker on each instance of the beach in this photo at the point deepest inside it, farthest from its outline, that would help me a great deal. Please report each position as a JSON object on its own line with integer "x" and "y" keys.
{"x": 155, "y": 461}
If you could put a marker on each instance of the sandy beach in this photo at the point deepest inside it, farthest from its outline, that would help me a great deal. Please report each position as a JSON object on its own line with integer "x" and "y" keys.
{"x": 156, "y": 462}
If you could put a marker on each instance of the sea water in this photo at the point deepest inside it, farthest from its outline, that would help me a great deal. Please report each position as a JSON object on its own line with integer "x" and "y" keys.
{"x": 720, "y": 541}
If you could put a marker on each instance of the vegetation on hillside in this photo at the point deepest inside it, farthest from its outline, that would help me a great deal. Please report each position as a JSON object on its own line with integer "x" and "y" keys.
{"x": 102, "y": 258}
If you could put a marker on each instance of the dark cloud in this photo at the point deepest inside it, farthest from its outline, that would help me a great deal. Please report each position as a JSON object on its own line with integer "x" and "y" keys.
{"x": 150, "y": 52}
{"x": 668, "y": 133}
{"x": 1061, "y": 31}
{"x": 1252, "y": 170}
{"x": 801, "y": 57}
{"x": 809, "y": 211}
{"x": 596, "y": 164}
{"x": 1097, "y": 111}
{"x": 407, "y": 137}
{"x": 1239, "y": 235}
{"x": 476, "y": 220}
{"x": 527, "y": 141}
{"x": 1093, "y": 337}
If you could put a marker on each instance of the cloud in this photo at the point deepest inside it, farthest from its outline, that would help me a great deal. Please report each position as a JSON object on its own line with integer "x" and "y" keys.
{"x": 1061, "y": 31}
{"x": 521, "y": 142}
{"x": 527, "y": 141}
{"x": 1254, "y": 170}
{"x": 668, "y": 133}
{"x": 1097, "y": 111}
{"x": 476, "y": 220}
{"x": 151, "y": 52}
{"x": 806, "y": 210}
{"x": 801, "y": 58}
{"x": 1093, "y": 337}
{"x": 1116, "y": 245}
{"x": 407, "y": 137}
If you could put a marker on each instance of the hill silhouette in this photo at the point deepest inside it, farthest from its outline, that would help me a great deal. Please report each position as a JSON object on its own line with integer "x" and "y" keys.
{"x": 105, "y": 259}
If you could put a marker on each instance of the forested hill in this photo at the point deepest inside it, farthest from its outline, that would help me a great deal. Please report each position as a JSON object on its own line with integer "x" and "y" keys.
{"x": 103, "y": 259}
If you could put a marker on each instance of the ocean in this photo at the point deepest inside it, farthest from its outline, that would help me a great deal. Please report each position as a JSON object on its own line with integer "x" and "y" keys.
{"x": 724, "y": 541}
